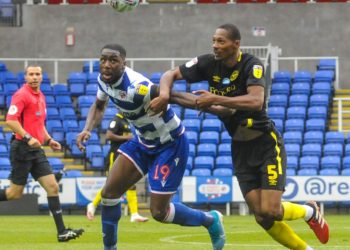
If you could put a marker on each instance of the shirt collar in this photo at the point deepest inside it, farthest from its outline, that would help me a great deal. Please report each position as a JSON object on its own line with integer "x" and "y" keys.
{"x": 31, "y": 90}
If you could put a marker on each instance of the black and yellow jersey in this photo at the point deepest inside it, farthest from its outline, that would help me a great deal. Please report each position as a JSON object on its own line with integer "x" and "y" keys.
{"x": 231, "y": 81}
{"x": 119, "y": 126}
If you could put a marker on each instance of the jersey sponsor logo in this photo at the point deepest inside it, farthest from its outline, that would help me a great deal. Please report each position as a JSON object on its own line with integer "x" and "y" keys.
{"x": 112, "y": 124}
{"x": 12, "y": 110}
{"x": 234, "y": 75}
{"x": 192, "y": 62}
{"x": 224, "y": 91}
{"x": 142, "y": 89}
{"x": 216, "y": 79}
{"x": 257, "y": 71}
{"x": 226, "y": 81}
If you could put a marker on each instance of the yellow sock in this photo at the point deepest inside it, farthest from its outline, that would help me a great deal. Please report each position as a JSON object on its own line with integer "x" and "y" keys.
{"x": 132, "y": 201}
{"x": 97, "y": 199}
{"x": 293, "y": 211}
{"x": 283, "y": 234}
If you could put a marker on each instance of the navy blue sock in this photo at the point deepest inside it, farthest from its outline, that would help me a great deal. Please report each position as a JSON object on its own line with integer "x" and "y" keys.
{"x": 110, "y": 217}
{"x": 186, "y": 216}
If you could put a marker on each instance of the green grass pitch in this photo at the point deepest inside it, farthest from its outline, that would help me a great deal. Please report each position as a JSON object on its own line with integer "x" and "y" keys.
{"x": 38, "y": 233}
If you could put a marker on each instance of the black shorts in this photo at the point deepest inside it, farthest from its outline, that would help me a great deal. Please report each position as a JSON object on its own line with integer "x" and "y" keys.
{"x": 260, "y": 163}
{"x": 25, "y": 160}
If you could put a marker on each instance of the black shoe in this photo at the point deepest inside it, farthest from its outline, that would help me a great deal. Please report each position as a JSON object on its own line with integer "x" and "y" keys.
{"x": 69, "y": 234}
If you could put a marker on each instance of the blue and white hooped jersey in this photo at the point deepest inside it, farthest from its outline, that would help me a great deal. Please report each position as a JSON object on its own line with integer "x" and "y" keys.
{"x": 132, "y": 95}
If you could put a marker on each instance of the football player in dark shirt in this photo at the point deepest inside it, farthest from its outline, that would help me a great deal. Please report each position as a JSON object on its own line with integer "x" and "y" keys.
{"x": 236, "y": 81}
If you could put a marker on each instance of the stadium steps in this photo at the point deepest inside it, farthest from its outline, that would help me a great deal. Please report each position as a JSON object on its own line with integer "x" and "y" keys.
{"x": 333, "y": 122}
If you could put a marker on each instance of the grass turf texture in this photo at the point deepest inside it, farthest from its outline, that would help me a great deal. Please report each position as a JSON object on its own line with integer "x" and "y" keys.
{"x": 38, "y": 233}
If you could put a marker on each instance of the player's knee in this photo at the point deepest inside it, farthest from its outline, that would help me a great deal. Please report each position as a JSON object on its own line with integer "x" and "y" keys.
{"x": 13, "y": 194}
{"x": 273, "y": 212}
{"x": 52, "y": 189}
{"x": 158, "y": 215}
{"x": 264, "y": 222}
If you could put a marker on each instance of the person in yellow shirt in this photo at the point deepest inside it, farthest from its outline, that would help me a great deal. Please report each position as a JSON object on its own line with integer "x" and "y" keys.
{"x": 118, "y": 132}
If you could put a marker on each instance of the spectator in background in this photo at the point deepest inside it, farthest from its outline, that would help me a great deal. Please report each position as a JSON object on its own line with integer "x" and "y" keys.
{"x": 26, "y": 117}
{"x": 118, "y": 132}
{"x": 236, "y": 81}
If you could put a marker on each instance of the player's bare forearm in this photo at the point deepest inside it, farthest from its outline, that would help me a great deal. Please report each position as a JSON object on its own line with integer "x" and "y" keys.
{"x": 220, "y": 111}
{"x": 95, "y": 115}
{"x": 16, "y": 127}
{"x": 183, "y": 99}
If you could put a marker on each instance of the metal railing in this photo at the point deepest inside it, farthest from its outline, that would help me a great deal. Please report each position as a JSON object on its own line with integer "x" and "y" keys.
{"x": 341, "y": 111}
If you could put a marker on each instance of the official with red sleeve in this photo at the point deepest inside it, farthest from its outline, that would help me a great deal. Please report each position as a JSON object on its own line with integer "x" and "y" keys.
{"x": 26, "y": 117}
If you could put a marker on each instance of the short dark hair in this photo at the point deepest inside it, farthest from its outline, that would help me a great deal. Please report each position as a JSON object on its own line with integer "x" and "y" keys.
{"x": 232, "y": 30}
{"x": 116, "y": 47}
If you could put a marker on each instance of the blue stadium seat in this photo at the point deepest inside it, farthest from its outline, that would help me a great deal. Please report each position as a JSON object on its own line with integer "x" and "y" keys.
{"x": 298, "y": 100}
{"x": 292, "y": 149}
{"x": 280, "y": 88}
{"x": 75, "y": 152}
{"x": 331, "y": 162}
{"x": 70, "y": 126}
{"x": 334, "y": 137}
{"x": 210, "y": 116}
{"x": 4, "y": 174}
{"x": 292, "y": 162}
{"x": 324, "y": 75}
{"x": 319, "y": 100}
{"x": 294, "y": 125}
{"x": 307, "y": 172}
{"x": 291, "y": 172}
{"x": 192, "y": 137}
{"x": 293, "y": 137}
{"x": 64, "y": 101}
{"x": 60, "y": 89}
{"x": 322, "y": 88}
{"x": 10, "y": 88}
{"x": 10, "y": 78}
{"x": 192, "y": 125}
{"x": 91, "y": 77}
{"x": 71, "y": 138}
{"x": 309, "y": 162}
{"x": 73, "y": 174}
{"x": 277, "y": 113}
{"x": 326, "y": 64}
{"x": 209, "y": 137}
{"x": 313, "y": 137}
{"x": 222, "y": 172}
{"x": 192, "y": 150}
{"x": 93, "y": 150}
{"x": 52, "y": 113}
{"x": 204, "y": 162}
{"x": 191, "y": 114}
{"x": 199, "y": 86}
{"x": 84, "y": 113}
{"x": 155, "y": 77}
{"x": 302, "y": 76}
{"x": 5, "y": 163}
{"x": 278, "y": 100}
{"x": 77, "y": 89}
{"x": 8, "y": 101}
{"x": 225, "y": 137}
{"x": 55, "y": 163}
{"x": 4, "y": 151}
{"x": 312, "y": 149}
{"x": 8, "y": 138}
{"x": 54, "y": 124}
{"x": 187, "y": 172}
{"x": 77, "y": 77}
{"x": 347, "y": 149}
{"x": 224, "y": 149}
{"x": 211, "y": 125}
{"x": 346, "y": 162}
{"x": 201, "y": 172}
{"x": 110, "y": 113}
{"x": 91, "y": 89}
{"x": 94, "y": 138}
{"x": 317, "y": 112}
{"x": 2, "y": 101}
{"x": 335, "y": 149}
{"x": 206, "y": 149}
{"x": 86, "y": 100}
{"x": 46, "y": 89}
{"x": 301, "y": 88}
{"x": 279, "y": 124}
{"x": 189, "y": 164}
{"x": 177, "y": 110}
{"x": 224, "y": 162}
{"x": 345, "y": 172}
{"x": 105, "y": 149}
{"x": 282, "y": 76}
{"x": 329, "y": 172}
{"x": 95, "y": 66}
{"x": 316, "y": 125}
{"x": 180, "y": 87}
{"x": 67, "y": 113}
{"x": 97, "y": 162}
{"x": 51, "y": 101}
{"x": 296, "y": 112}
{"x": 105, "y": 124}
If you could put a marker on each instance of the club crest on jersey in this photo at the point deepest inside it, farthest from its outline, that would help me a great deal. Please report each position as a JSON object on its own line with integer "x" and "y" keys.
{"x": 12, "y": 110}
{"x": 112, "y": 124}
{"x": 234, "y": 75}
{"x": 192, "y": 62}
{"x": 225, "y": 81}
{"x": 122, "y": 95}
{"x": 257, "y": 71}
